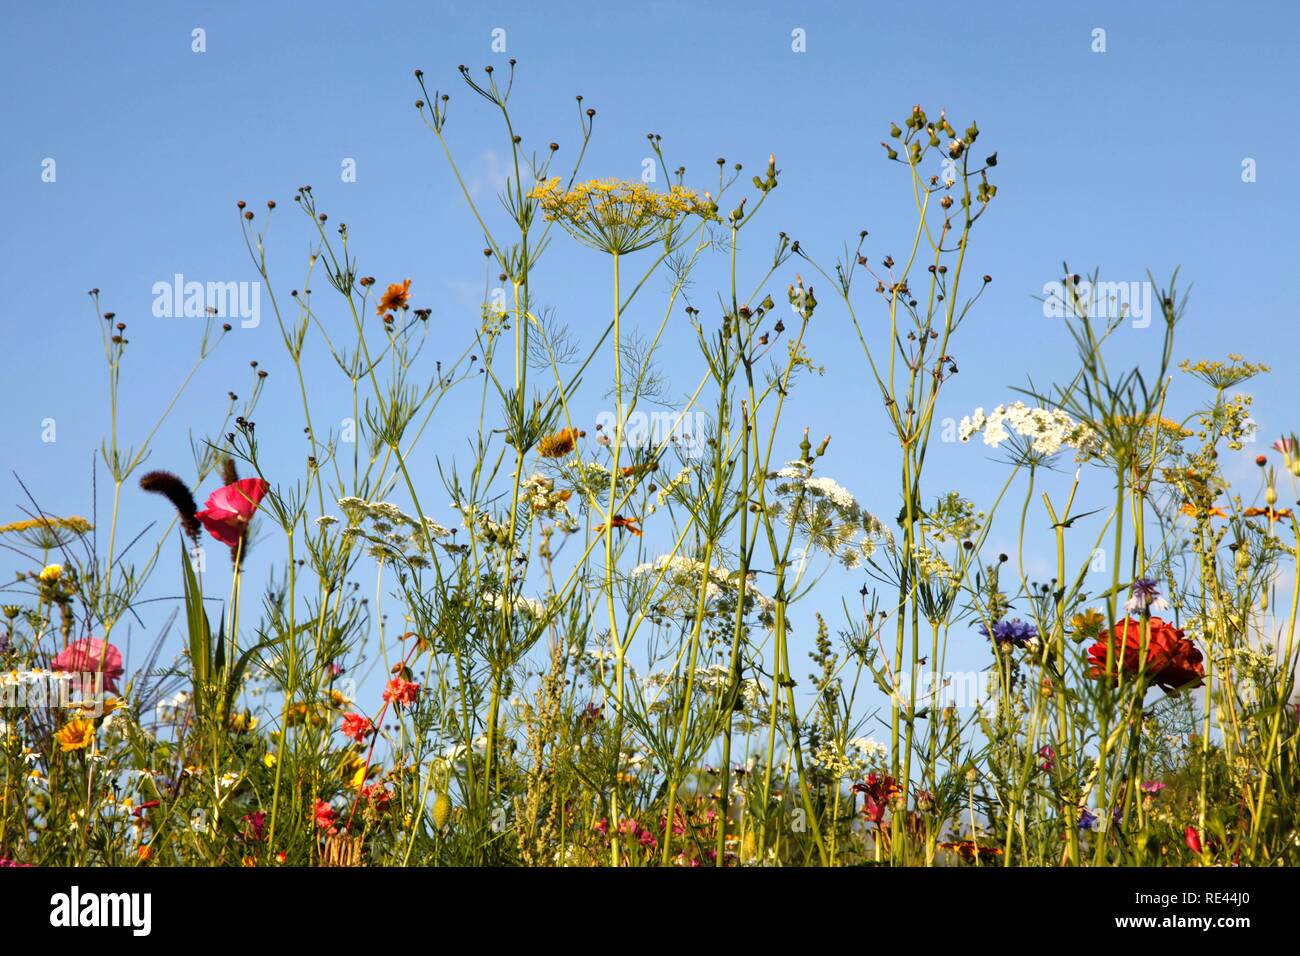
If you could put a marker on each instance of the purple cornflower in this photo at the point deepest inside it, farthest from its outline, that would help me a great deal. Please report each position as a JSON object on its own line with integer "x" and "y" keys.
{"x": 1144, "y": 595}
{"x": 1087, "y": 820}
{"x": 1014, "y": 631}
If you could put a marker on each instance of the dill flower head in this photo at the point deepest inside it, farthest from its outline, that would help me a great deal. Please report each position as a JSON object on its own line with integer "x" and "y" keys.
{"x": 618, "y": 216}
{"x": 48, "y": 533}
{"x": 1136, "y": 440}
{"x": 1223, "y": 375}
{"x": 75, "y": 735}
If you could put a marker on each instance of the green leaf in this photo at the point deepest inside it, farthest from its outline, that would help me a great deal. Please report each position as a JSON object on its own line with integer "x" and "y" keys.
{"x": 200, "y": 634}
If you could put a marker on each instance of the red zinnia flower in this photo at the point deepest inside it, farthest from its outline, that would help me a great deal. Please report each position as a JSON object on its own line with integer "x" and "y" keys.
{"x": 231, "y": 508}
{"x": 1172, "y": 661}
{"x": 357, "y": 727}
{"x": 91, "y": 656}
{"x": 401, "y": 691}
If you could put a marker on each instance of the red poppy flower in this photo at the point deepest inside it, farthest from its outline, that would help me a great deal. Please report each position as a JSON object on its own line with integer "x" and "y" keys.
{"x": 91, "y": 656}
{"x": 231, "y": 508}
{"x": 1172, "y": 661}
{"x": 1193, "y": 838}
{"x": 357, "y": 727}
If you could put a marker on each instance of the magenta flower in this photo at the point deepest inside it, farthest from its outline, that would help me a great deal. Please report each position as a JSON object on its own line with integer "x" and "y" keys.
{"x": 231, "y": 508}
{"x": 1048, "y": 753}
{"x": 91, "y": 656}
{"x": 256, "y": 825}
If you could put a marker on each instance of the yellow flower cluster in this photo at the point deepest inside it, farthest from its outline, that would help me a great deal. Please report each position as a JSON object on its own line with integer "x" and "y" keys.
{"x": 618, "y": 216}
{"x": 50, "y": 532}
{"x": 1223, "y": 375}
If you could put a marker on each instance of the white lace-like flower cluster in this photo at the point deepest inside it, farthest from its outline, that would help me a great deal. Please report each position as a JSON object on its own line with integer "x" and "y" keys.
{"x": 524, "y": 605}
{"x": 384, "y": 514}
{"x": 686, "y": 572}
{"x": 1048, "y": 430}
{"x": 392, "y": 534}
{"x": 828, "y": 514}
{"x": 856, "y": 757}
{"x": 544, "y": 501}
{"x": 667, "y": 491}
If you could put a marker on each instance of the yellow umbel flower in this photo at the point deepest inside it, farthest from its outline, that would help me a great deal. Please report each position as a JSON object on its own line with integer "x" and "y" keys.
{"x": 51, "y": 573}
{"x": 76, "y": 735}
{"x": 618, "y": 216}
{"x": 48, "y": 533}
{"x": 73, "y": 523}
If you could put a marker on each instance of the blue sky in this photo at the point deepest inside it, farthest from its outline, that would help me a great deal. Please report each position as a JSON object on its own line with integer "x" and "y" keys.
{"x": 1126, "y": 161}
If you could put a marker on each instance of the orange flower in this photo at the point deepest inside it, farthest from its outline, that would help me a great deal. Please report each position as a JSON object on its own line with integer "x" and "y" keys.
{"x": 1172, "y": 661}
{"x": 76, "y": 735}
{"x": 394, "y": 298}
{"x": 559, "y": 444}
{"x": 1213, "y": 511}
{"x": 620, "y": 522}
{"x": 1271, "y": 513}
{"x": 143, "y": 853}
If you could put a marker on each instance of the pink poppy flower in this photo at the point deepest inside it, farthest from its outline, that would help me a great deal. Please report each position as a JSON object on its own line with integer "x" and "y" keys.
{"x": 91, "y": 656}
{"x": 231, "y": 508}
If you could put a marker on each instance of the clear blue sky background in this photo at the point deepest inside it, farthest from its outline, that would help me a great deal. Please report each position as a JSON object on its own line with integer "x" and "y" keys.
{"x": 1126, "y": 161}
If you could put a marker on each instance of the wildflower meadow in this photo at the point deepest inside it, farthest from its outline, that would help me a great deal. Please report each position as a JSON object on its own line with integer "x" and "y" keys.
{"x": 424, "y": 579}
